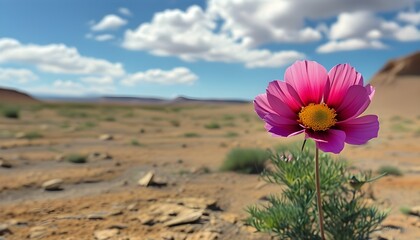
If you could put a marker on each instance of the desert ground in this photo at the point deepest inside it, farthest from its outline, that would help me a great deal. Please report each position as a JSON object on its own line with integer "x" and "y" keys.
{"x": 183, "y": 145}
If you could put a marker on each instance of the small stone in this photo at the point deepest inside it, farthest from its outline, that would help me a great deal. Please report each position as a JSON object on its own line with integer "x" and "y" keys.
{"x": 118, "y": 226}
{"x": 146, "y": 179}
{"x": 96, "y": 216}
{"x": 184, "y": 218}
{"x": 415, "y": 211}
{"x": 38, "y": 232}
{"x": 133, "y": 207}
{"x": 99, "y": 156}
{"x": 229, "y": 217}
{"x": 53, "y": 185}
{"x": 18, "y": 222}
{"x": 146, "y": 219}
{"x": 106, "y": 137}
{"x": 4, "y": 229}
{"x": 5, "y": 164}
{"x": 106, "y": 234}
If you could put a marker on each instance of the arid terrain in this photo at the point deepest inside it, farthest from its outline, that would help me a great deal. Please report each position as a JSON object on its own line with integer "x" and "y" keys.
{"x": 99, "y": 152}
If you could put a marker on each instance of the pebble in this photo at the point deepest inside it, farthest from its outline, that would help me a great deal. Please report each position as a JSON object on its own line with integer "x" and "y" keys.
{"x": 52, "y": 185}
{"x": 184, "y": 218}
{"x": 5, "y": 164}
{"x": 106, "y": 137}
{"x": 106, "y": 234}
{"x": 146, "y": 179}
{"x": 4, "y": 229}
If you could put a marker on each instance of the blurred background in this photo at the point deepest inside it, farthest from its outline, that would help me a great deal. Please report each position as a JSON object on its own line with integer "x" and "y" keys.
{"x": 133, "y": 119}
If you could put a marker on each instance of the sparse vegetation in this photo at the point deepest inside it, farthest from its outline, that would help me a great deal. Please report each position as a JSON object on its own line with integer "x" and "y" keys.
{"x": 212, "y": 125}
{"x": 109, "y": 119}
{"x": 390, "y": 170}
{"x": 405, "y": 210}
{"x": 191, "y": 135}
{"x": 33, "y": 135}
{"x": 231, "y": 134}
{"x": 135, "y": 142}
{"x": 246, "y": 160}
{"x": 76, "y": 158}
{"x": 400, "y": 127}
{"x": 175, "y": 123}
{"x": 292, "y": 215}
{"x": 11, "y": 112}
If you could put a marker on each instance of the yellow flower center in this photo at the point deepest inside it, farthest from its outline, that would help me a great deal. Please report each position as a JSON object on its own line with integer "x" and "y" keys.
{"x": 318, "y": 117}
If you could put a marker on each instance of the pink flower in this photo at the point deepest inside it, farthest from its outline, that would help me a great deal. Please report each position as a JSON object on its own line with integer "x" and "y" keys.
{"x": 324, "y": 106}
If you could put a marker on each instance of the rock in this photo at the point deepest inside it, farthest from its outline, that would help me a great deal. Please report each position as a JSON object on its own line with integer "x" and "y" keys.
{"x": 184, "y": 218}
{"x": 18, "y": 222}
{"x": 99, "y": 156}
{"x": 195, "y": 203}
{"x": 118, "y": 226}
{"x": 146, "y": 219}
{"x": 133, "y": 207}
{"x": 413, "y": 211}
{"x": 229, "y": 217}
{"x": 38, "y": 232}
{"x": 4, "y": 229}
{"x": 96, "y": 216}
{"x": 106, "y": 137}
{"x": 106, "y": 234}
{"x": 53, "y": 185}
{"x": 146, "y": 179}
{"x": 5, "y": 164}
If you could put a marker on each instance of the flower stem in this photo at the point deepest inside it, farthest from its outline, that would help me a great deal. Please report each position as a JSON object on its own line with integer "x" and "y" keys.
{"x": 318, "y": 194}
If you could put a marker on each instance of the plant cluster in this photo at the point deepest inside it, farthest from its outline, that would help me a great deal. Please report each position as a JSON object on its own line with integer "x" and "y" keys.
{"x": 293, "y": 214}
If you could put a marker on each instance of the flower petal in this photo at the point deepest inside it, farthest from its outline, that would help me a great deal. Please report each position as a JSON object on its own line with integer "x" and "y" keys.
{"x": 354, "y": 103}
{"x": 371, "y": 91}
{"x": 261, "y": 105}
{"x": 340, "y": 79}
{"x": 360, "y": 130}
{"x": 286, "y": 93}
{"x": 328, "y": 141}
{"x": 284, "y": 130}
{"x": 280, "y": 107}
{"x": 308, "y": 78}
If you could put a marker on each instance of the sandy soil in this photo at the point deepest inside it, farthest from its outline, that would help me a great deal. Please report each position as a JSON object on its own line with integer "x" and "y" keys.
{"x": 103, "y": 193}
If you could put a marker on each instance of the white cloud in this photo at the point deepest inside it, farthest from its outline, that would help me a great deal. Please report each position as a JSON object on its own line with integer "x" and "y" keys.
{"x": 354, "y": 25}
{"x": 284, "y": 21}
{"x": 71, "y": 88}
{"x": 407, "y": 33}
{"x": 109, "y": 22}
{"x": 104, "y": 37}
{"x": 124, "y": 11}
{"x": 103, "y": 80}
{"x": 409, "y": 17}
{"x": 190, "y": 36}
{"x": 349, "y": 44}
{"x": 179, "y": 75}
{"x": 56, "y": 58}
{"x": 19, "y": 75}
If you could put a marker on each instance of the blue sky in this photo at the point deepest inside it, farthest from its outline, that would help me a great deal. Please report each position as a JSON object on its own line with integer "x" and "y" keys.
{"x": 214, "y": 48}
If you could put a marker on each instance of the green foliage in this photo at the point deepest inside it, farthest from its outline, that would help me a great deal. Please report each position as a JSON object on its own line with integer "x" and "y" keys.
{"x": 33, "y": 135}
{"x": 405, "y": 210}
{"x": 110, "y": 119}
{"x": 11, "y": 112}
{"x": 231, "y": 134}
{"x": 191, "y": 135}
{"x": 246, "y": 160}
{"x": 212, "y": 125}
{"x": 76, "y": 158}
{"x": 293, "y": 215}
{"x": 175, "y": 123}
{"x": 135, "y": 142}
{"x": 390, "y": 170}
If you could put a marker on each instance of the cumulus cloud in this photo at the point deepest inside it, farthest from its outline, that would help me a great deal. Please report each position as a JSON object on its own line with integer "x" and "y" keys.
{"x": 350, "y": 44}
{"x": 179, "y": 75}
{"x": 407, "y": 33}
{"x": 71, "y": 88}
{"x": 191, "y": 36}
{"x": 19, "y": 75}
{"x": 409, "y": 17}
{"x": 104, "y": 37}
{"x": 124, "y": 11}
{"x": 354, "y": 25}
{"x": 56, "y": 58}
{"x": 109, "y": 22}
{"x": 103, "y": 80}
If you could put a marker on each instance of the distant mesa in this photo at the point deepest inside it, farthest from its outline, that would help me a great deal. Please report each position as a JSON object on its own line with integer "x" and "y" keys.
{"x": 13, "y": 96}
{"x": 402, "y": 67}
